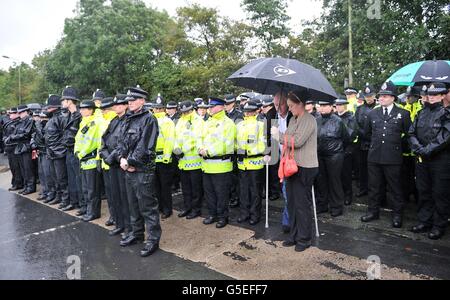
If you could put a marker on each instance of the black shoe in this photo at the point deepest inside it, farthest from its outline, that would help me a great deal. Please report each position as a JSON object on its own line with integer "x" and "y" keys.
{"x": 21, "y": 192}
{"x": 234, "y": 203}
{"x": 420, "y": 228}
{"x": 69, "y": 208}
{"x": 15, "y": 188}
{"x": 184, "y": 213}
{"x": 165, "y": 216}
{"x": 62, "y": 205}
{"x": 361, "y": 194}
{"x": 28, "y": 192}
{"x": 41, "y": 198}
{"x": 288, "y": 244}
{"x": 87, "y": 218}
{"x": 322, "y": 211}
{"x": 336, "y": 214}
{"x": 209, "y": 220}
{"x": 192, "y": 215}
{"x": 274, "y": 197}
{"x": 116, "y": 231}
{"x": 435, "y": 234}
{"x": 149, "y": 249}
{"x": 222, "y": 223}
{"x": 130, "y": 240}
{"x": 300, "y": 248}
{"x": 110, "y": 222}
{"x": 242, "y": 219}
{"x": 370, "y": 217}
{"x": 81, "y": 212}
{"x": 55, "y": 201}
{"x": 253, "y": 221}
{"x": 397, "y": 222}
{"x": 286, "y": 229}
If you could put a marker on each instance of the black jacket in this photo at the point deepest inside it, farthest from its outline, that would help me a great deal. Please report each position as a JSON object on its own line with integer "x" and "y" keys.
{"x": 110, "y": 141}
{"x": 429, "y": 135}
{"x": 332, "y": 135}
{"x": 389, "y": 138}
{"x": 70, "y": 129}
{"x": 350, "y": 123}
{"x": 37, "y": 138}
{"x": 139, "y": 140}
{"x": 22, "y": 135}
{"x": 361, "y": 116}
{"x": 9, "y": 127}
{"x": 53, "y": 135}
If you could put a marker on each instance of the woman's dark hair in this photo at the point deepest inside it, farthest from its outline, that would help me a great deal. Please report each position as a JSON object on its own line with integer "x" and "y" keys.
{"x": 298, "y": 96}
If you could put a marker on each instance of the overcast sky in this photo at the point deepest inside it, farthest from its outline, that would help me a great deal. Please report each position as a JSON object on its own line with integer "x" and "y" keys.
{"x": 30, "y": 26}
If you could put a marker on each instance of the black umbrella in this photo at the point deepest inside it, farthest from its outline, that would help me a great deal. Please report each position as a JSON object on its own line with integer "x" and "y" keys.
{"x": 271, "y": 75}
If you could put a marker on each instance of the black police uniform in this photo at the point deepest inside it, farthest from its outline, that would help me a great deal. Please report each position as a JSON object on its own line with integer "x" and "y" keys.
{"x": 9, "y": 128}
{"x": 22, "y": 136}
{"x": 430, "y": 141}
{"x": 332, "y": 139}
{"x": 388, "y": 133}
{"x": 138, "y": 148}
{"x": 352, "y": 128}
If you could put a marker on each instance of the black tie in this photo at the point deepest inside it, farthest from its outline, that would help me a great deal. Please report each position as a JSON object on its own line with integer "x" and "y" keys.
{"x": 386, "y": 113}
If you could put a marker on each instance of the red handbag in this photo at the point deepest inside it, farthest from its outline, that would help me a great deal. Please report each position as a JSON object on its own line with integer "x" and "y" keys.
{"x": 288, "y": 165}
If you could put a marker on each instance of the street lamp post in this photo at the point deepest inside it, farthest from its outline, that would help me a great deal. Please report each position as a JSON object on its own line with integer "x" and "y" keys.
{"x": 20, "y": 83}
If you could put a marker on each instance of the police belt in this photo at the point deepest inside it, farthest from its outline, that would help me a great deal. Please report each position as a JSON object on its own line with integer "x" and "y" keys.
{"x": 89, "y": 156}
{"x": 241, "y": 157}
{"x": 224, "y": 157}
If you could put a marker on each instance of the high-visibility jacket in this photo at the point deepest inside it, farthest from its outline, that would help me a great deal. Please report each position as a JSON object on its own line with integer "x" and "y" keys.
{"x": 352, "y": 104}
{"x": 166, "y": 138}
{"x": 250, "y": 144}
{"x": 413, "y": 109}
{"x": 188, "y": 138}
{"x": 219, "y": 141}
{"x": 87, "y": 141}
{"x": 104, "y": 121}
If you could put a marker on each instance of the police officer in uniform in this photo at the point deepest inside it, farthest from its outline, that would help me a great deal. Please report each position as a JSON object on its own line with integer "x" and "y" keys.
{"x": 361, "y": 116}
{"x": 9, "y": 127}
{"x": 387, "y": 126}
{"x": 188, "y": 136}
{"x": 310, "y": 107}
{"x": 217, "y": 150}
{"x": 172, "y": 110}
{"x": 430, "y": 141}
{"x": 137, "y": 158}
{"x": 165, "y": 169}
{"x": 351, "y": 94}
{"x": 22, "y": 136}
{"x": 202, "y": 110}
{"x": 110, "y": 154}
{"x": 251, "y": 144}
{"x": 350, "y": 124}
{"x": 56, "y": 149}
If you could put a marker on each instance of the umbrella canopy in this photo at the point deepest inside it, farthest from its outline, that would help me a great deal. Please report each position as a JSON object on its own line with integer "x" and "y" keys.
{"x": 423, "y": 72}
{"x": 271, "y": 75}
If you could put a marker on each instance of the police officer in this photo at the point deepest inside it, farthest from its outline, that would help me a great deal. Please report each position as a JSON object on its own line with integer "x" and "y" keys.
{"x": 110, "y": 155}
{"x": 387, "y": 126}
{"x": 3, "y": 119}
{"x": 87, "y": 142}
{"x": 217, "y": 150}
{"x": 22, "y": 136}
{"x": 9, "y": 127}
{"x": 173, "y": 113}
{"x": 351, "y": 94}
{"x": 56, "y": 149}
{"x": 332, "y": 139}
{"x": 202, "y": 110}
{"x": 310, "y": 107}
{"x": 172, "y": 110}
{"x": 350, "y": 124}
{"x": 430, "y": 141}
{"x": 251, "y": 144}
{"x": 361, "y": 116}
{"x": 165, "y": 169}
{"x": 137, "y": 158}
{"x": 69, "y": 101}
{"x": 188, "y": 137}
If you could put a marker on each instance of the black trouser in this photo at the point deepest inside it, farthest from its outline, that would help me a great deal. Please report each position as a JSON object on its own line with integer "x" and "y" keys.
{"x": 274, "y": 181}
{"x": 106, "y": 175}
{"x": 217, "y": 194}
{"x": 299, "y": 193}
{"x": 234, "y": 177}
{"x": 45, "y": 175}
{"x": 163, "y": 186}
{"x": 433, "y": 185}
{"x": 330, "y": 191}
{"x": 58, "y": 171}
{"x": 119, "y": 199}
{"x": 381, "y": 176}
{"x": 14, "y": 166}
{"x": 26, "y": 168}
{"x": 192, "y": 188}
{"x": 250, "y": 185}
{"x": 143, "y": 205}
{"x": 176, "y": 175}
{"x": 346, "y": 176}
{"x": 90, "y": 182}
{"x": 355, "y": 160}
{"x": 74, "y": 180}
{"x": 363, "y": 171}
{"x": 408, "y": 177}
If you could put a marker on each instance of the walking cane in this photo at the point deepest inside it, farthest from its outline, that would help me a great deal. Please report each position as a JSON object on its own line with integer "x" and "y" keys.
{"x": 315, "y": 212}
{"x": 267, "y": 194}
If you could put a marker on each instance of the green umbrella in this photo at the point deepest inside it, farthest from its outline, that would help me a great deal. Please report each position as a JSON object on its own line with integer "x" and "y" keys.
{"x": 423, "y": 72}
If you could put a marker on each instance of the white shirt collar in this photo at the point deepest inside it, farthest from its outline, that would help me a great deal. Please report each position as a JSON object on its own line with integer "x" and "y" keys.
{"x": 390, "y": 107}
